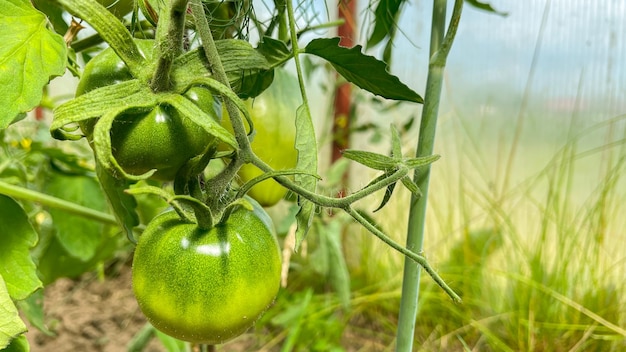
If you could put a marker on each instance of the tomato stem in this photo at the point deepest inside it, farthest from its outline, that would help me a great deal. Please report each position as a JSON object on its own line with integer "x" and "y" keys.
{"x": 169, "y": 38}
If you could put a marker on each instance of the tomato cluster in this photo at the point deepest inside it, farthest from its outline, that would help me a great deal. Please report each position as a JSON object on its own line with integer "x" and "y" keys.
{"x": 160, "y": 139}
{"x": 196, "y": 284}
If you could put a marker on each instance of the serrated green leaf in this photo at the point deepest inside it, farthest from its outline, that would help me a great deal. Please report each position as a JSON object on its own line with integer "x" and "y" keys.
{"x": 10, "y": 323}
{"x": 365, "y": 71}
{"x": 384, "y": 20}
{"x": 386, "y": 197}
{"x": 372, "y": 160}
{"x": 275, "y": 51}
{"x": 79, "y": 236}
{"x": 248, "y": 71}
{"x": 421, "y": 161}
{"x": 306, "y": 145}
{"x": 411, "y": 186}
{"x": 30, "y": 54}
{"x": 17, "y": 237}
{"x": 485, "y": 7}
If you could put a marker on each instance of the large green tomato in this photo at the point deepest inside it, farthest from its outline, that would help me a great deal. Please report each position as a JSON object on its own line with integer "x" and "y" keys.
{"x": 207, "y": 286}
{"x": 158, "y": 139}
{"x": 274, "y": 116}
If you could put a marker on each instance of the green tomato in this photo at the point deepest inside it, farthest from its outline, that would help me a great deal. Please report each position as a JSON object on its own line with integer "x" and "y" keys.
{"x": 207, "y": 286}
{"x": 160, "y": 139}
{"x": 273, "y": 113}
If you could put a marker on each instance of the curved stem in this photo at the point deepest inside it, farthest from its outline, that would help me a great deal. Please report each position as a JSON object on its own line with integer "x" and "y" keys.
{"x": 418, "y": 259}
{"x": 53, "y": 202}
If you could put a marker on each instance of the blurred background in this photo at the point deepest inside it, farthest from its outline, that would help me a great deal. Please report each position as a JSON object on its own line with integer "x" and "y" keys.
{"x": 525, "y": 207}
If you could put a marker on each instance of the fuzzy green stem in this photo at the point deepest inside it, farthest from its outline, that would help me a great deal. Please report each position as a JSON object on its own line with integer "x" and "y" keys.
{"x": 169, "y": 38}
{"x": 439, "y": 49}
{"x": 53, "y": 202}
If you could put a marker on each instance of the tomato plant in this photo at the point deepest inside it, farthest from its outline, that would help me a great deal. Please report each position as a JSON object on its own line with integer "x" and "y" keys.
{"x": 273, "y": 114}
{"x": 148, "y": 109}
{"x": 207, "y": 285}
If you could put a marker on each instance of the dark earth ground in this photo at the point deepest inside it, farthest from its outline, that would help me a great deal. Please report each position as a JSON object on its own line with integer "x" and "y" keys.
{"x": 90, "y": 314}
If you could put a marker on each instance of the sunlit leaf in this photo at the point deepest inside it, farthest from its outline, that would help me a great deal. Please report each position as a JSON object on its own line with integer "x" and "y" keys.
{"x": 365, "y": 71}
{"x": 30, "y": 54}
{"x": 10, "y": 323}
{"x": 17, "y": 237}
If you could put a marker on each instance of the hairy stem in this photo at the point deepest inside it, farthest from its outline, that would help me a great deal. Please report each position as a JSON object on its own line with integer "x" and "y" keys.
{"x": 169, "y": 39}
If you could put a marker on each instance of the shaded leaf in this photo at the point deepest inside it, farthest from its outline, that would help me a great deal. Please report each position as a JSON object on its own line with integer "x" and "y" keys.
{"x": 123, "y": 204}
{"x": 365, "y": 71}
{"x": 387, "y": 196}
{"x": 32, "y": 308}
{"x": 30, "y": 54}
{"x": 275, "y": 51}
{"x": 339, "y": 276}
{"x": 384, "y": 21}
{"x": 485, "y": 7}
{"x": 306, "y": 144}
{"x": 10, "y": 323}
{"x": 78, "y": 235}
{"x": 17, "y": 237}
{"x": 19, "y": 344}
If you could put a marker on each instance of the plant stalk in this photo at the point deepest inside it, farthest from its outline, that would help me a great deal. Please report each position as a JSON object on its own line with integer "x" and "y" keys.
{"x": 169, "y": 39}
{"x": 439, "y": 48}
{"x": 53, "y": 202}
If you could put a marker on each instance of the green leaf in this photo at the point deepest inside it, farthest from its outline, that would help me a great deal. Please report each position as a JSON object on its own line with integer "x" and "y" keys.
{"x": 32, "y": 308}
{"x": 123, "y": 204}
{"x": 387, "y": 196}
{"x": 29, "y": 55}
{"x": 248, "y": 71}
{"x": 306, "y": 144}
{"x": 485, "y": 7}
{"x": 396, "y": 143}
{"x": 98, "y": 102}
{"x": 19, "y": 344}
{"x": 414, "y": 163}
{"x": 372, "y": 160}
{"x": 16, "y": 239}
{"x": 78, "y": 235}
{"x": 10, "y": 323}
{"x": 365, "y": 71}
{"x": 339, "y": 276}
{"x": 411, "y": 186}
{"x": 275, "y": 51}
{"x": 385, "y": 17}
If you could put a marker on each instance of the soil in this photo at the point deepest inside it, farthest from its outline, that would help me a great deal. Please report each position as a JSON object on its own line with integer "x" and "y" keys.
{"x": 90, "y": 314}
